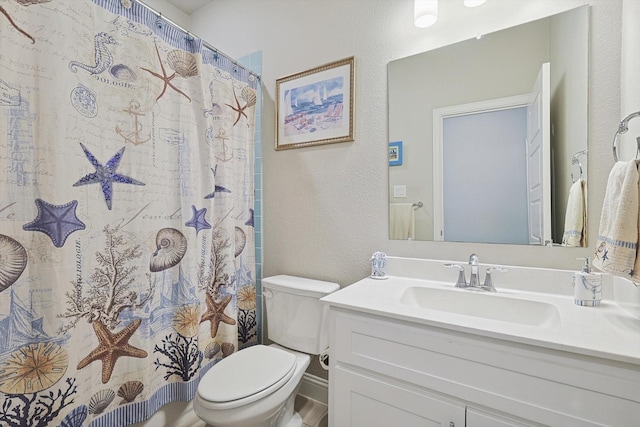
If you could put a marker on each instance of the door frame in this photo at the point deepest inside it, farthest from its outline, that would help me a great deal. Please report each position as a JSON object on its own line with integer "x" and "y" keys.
{"x": 439, "y": 114}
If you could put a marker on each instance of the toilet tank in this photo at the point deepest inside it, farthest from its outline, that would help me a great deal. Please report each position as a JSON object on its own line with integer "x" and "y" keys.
{"x": 296, "y": 318}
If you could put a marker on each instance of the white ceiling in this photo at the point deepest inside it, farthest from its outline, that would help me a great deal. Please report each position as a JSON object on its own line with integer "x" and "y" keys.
{"x": 189, "y": 6}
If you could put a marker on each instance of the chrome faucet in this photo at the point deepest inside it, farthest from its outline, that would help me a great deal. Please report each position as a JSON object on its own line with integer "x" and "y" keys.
{"x": 488, "y": 282}
{"x": 462, "y": 280}
{"x": 474, "y": 279}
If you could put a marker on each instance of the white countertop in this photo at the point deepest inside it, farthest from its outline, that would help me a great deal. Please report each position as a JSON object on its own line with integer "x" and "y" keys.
{"x": 607, "y": 331}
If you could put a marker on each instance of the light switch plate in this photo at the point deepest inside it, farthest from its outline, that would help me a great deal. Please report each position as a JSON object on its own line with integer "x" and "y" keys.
{"x": 399, "y": 191}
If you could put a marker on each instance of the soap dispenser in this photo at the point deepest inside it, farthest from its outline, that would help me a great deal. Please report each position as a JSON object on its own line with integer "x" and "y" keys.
{"x": 378, "y": 264}
{"x": 587, "y": 286}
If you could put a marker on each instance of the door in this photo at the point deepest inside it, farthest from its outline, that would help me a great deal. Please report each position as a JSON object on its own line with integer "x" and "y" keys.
{"x": 539, "y": 159}
{"x": 480, "y": 172}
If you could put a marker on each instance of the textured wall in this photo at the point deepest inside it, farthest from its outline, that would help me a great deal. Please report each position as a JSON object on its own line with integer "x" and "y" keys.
{"x": 325, "y": 207}
{"x": 169, "y": 11}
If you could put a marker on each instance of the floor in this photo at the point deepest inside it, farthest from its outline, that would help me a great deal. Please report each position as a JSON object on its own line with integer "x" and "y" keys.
{"x": 314, "y": 413}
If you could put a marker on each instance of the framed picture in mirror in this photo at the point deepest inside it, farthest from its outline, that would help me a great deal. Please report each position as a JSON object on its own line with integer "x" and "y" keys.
{"x": 315, "y": 107}
{"x": 395, "y": 153}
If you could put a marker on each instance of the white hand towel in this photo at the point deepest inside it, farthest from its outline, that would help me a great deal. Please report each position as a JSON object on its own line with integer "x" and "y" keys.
{"x": 617, "y": 245}
{"x": 401, "y": 221}
{"x": 575, "y": 218}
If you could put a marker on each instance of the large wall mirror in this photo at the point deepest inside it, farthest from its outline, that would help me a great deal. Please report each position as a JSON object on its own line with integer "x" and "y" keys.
{"x": 488, "y": 137}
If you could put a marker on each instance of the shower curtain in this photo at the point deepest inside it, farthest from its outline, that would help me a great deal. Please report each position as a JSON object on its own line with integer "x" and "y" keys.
{"x": 127, "y": 264}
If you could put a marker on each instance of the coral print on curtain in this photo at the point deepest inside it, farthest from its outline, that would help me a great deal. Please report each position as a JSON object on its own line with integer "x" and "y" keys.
{"x": 126, "y": 224}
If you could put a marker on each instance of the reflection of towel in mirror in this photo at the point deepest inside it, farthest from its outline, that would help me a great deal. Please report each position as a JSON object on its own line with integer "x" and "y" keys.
{"x": 617, "y": 245}
{"x": 401, "y": 221}
{"x": 575, "y": 218}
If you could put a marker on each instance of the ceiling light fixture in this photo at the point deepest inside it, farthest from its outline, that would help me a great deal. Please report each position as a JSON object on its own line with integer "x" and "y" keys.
{"x": 425, "y": 13}
{"x": 473, "y": 3}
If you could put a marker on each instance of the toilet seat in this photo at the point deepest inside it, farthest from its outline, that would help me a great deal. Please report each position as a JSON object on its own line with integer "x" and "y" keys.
{"x": 247, "y": 375}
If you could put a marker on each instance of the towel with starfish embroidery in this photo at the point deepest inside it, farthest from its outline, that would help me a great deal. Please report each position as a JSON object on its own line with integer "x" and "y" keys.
{"x": 617, "y": 245}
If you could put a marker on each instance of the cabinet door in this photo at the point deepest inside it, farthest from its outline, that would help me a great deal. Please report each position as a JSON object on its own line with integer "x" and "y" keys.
{"x": 364, "y": 401}
{"x": 479, "y": 418}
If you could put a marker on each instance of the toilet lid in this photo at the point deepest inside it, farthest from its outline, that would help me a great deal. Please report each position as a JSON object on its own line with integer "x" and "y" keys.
{"x": 245, "y": 373}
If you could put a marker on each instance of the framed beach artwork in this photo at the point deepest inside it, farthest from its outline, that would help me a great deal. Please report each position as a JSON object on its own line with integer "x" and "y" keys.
{"x": 395, "y": 153}
{"x": 316, "y": 106}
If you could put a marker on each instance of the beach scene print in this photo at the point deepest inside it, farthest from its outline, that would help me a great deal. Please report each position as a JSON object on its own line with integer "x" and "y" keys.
{"x": 314, "y": 108}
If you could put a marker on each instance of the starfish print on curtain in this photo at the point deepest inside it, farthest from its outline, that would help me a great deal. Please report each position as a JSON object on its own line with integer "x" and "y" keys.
{"x": 215, "y": 314}
{"x": 23, "y": 32}
{"x": 250, "y": 98}
{"x": 100, "y": 304}
{"x": 56, "y": 221}
{"x": 198, "y": 221}
{"x": 111, "y": 347}
{"x": 217, "y": 188}
{"x": 105, "y": 175}
{"x": 166, "y": 80}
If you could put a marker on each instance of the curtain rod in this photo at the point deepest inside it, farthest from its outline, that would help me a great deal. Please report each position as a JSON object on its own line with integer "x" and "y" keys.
{"x": 189, "y": 34}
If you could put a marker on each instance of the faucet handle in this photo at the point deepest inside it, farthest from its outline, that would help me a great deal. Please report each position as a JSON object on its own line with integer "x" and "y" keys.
{"x": 473, "y": 259}
{"x": 462, "y": 280}
{"x": 488, "y": 282}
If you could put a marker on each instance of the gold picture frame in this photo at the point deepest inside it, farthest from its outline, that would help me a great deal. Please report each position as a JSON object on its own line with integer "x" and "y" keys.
{"x": 316, "y": 106}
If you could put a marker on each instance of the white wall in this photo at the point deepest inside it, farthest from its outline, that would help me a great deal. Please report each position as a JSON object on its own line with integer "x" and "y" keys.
{"x": 630, "y": 97}
{"x": 169, "y": 11}
{"x": 630, "y": 100}
{"x": 569, "y": 108}
{"x": 325, "y": 207}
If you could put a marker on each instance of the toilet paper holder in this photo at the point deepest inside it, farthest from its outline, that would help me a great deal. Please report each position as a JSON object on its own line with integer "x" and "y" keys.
{"x": 324, "y": 359}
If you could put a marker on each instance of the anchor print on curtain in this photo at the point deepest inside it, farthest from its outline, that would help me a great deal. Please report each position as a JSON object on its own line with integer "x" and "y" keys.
{"x": 127, "y": 264}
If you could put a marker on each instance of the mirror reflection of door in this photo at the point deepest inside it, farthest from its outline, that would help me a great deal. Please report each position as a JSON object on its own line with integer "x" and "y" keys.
{"x": 493, "y": 158}
{"x": 484, "y": 197}
{"x": 539, "y": 159}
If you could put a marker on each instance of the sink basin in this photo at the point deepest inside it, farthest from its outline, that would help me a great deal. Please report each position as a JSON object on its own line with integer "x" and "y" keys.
{"x": 480, "y": 304}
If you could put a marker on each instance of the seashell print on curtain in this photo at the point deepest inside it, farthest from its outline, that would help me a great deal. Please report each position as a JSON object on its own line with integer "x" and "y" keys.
{"x": 127, "y": 265}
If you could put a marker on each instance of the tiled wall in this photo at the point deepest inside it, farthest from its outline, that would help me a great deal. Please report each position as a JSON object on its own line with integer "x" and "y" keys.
{"x": 253, "y": 62}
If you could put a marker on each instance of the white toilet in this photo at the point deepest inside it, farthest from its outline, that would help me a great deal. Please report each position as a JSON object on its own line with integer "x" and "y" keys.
{"x": 257, "y": 386}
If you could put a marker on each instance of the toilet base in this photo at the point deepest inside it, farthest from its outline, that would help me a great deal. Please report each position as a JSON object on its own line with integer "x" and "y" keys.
{"x": 288, "y": 417}
{"x": 284, "y": 417}
{"x": 276, "y": 410}
{"x": 295, "y": 421}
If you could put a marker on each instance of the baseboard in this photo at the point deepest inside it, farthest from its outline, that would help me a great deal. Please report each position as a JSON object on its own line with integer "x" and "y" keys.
{"x": 315, "y": 388}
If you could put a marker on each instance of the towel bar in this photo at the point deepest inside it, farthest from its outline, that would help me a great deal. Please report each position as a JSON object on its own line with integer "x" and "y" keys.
{"x": 623, "y": 127}
{"x": 576, "y": 161}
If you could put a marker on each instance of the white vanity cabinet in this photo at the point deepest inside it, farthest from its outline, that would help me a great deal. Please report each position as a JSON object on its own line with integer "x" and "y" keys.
{"x": 362, "y": 399}
{"x": 387, "y": 371}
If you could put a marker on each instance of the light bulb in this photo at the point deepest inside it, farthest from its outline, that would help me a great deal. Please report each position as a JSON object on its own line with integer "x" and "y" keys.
{"x": 473, "y": 3}
{"x": 425, "y": 13}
